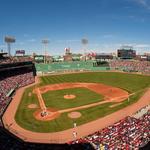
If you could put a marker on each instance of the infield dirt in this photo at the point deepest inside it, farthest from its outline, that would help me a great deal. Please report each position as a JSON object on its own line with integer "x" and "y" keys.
{"x": 111, "y": 94}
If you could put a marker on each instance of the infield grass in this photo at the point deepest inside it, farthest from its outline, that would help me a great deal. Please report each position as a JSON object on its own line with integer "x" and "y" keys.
{"x": 55, "y": 99}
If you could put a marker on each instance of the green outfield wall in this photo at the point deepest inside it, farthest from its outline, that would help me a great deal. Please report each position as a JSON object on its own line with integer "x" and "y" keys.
{"x": 74, "y": 66}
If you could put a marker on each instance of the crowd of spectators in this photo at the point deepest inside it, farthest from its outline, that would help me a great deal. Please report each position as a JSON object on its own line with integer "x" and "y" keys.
{"x": 10, "y": 60}
{"x": 128, "y": 133}
{"x": 8, "y": 84}
{"x": 131, "y": 65}
{"x": 141, "y": 112}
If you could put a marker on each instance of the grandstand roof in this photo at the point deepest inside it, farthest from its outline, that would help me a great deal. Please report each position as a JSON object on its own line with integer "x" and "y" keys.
{"x": 1, "y": 53}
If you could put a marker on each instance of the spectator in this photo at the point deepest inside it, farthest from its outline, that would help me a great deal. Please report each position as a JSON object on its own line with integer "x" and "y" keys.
{"x": 128, "y": 133}
{"x": 10, "y": 82}
{"x": 131, "y": 66}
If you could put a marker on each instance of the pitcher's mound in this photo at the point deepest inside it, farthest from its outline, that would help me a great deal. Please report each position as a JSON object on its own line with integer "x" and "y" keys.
{"x": 69, "y": 96}
{"x": 74, "y": 114}
{"x": 32, "y": 106}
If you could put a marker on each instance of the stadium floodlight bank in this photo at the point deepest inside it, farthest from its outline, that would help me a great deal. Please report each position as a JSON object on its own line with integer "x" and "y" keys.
{"x": 9, "y": 40}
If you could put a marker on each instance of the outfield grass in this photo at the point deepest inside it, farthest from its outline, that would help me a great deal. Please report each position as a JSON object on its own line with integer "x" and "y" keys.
{"x": 129, "y": 82}
{"x": 55, "y": 99}
{"x": 24, "y": 116}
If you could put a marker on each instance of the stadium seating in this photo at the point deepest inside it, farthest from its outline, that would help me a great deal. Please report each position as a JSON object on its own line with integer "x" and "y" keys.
{"x": 9, "y": 60}
{"x": 128, "y": 133}
{"x": 130, "y": 65}
{"x": 9, "y": 82}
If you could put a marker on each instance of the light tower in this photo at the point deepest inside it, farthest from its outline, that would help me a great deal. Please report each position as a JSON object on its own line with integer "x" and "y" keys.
{"x": 45, "y": 43}
{"x": 9, "y": 40}
{"x": 84, "y": 42}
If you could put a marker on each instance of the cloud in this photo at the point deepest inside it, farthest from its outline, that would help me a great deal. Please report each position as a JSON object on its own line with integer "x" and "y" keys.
{"x": 32, "y": 40}
{"x": 114, "y": 46}
{"x": 135, "y": 45}
{"x": 108, "y": 36}
{"x": 25, "y": 35}
{"x": 21, "y": 43}
{"x": 132, "y": 17}
{"x": 127, "y": 7}
{"x": 2, "y": 46}
{"x": 67, "y": 41}
{"x": 142, "y": 46}
{"x": 94, "y": 45}
{"x": 143, "y": 3}
{"x": 73, "y": 40}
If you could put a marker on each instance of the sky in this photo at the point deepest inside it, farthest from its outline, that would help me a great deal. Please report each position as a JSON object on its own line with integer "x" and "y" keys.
{"x": 107, "y": 24}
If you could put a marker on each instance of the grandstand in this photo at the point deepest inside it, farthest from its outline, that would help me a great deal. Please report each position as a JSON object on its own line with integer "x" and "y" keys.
{"x": 13, "y": 76}
{"x": 10, "y": 82}
{"x": 131, "y": 66}
{"x": 128, "y": 133}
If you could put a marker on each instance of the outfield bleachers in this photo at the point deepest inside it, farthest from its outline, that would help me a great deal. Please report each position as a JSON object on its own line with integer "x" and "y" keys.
{"x": 131, "y": 66}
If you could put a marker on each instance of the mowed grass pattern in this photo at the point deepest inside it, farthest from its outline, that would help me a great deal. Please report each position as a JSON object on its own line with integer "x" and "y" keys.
{"x": 55, "y": 99}
{"x": 130, "y": 82}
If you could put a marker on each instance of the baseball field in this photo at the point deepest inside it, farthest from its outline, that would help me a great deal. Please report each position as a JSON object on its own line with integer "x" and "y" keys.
{"x": 59, "y": 101}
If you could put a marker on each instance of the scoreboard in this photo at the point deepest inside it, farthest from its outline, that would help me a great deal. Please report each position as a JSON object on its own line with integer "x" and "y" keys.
{"x": 39, "y": 59}
{"x": 20, "y": 52}
{"x": 126, "y": 53}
